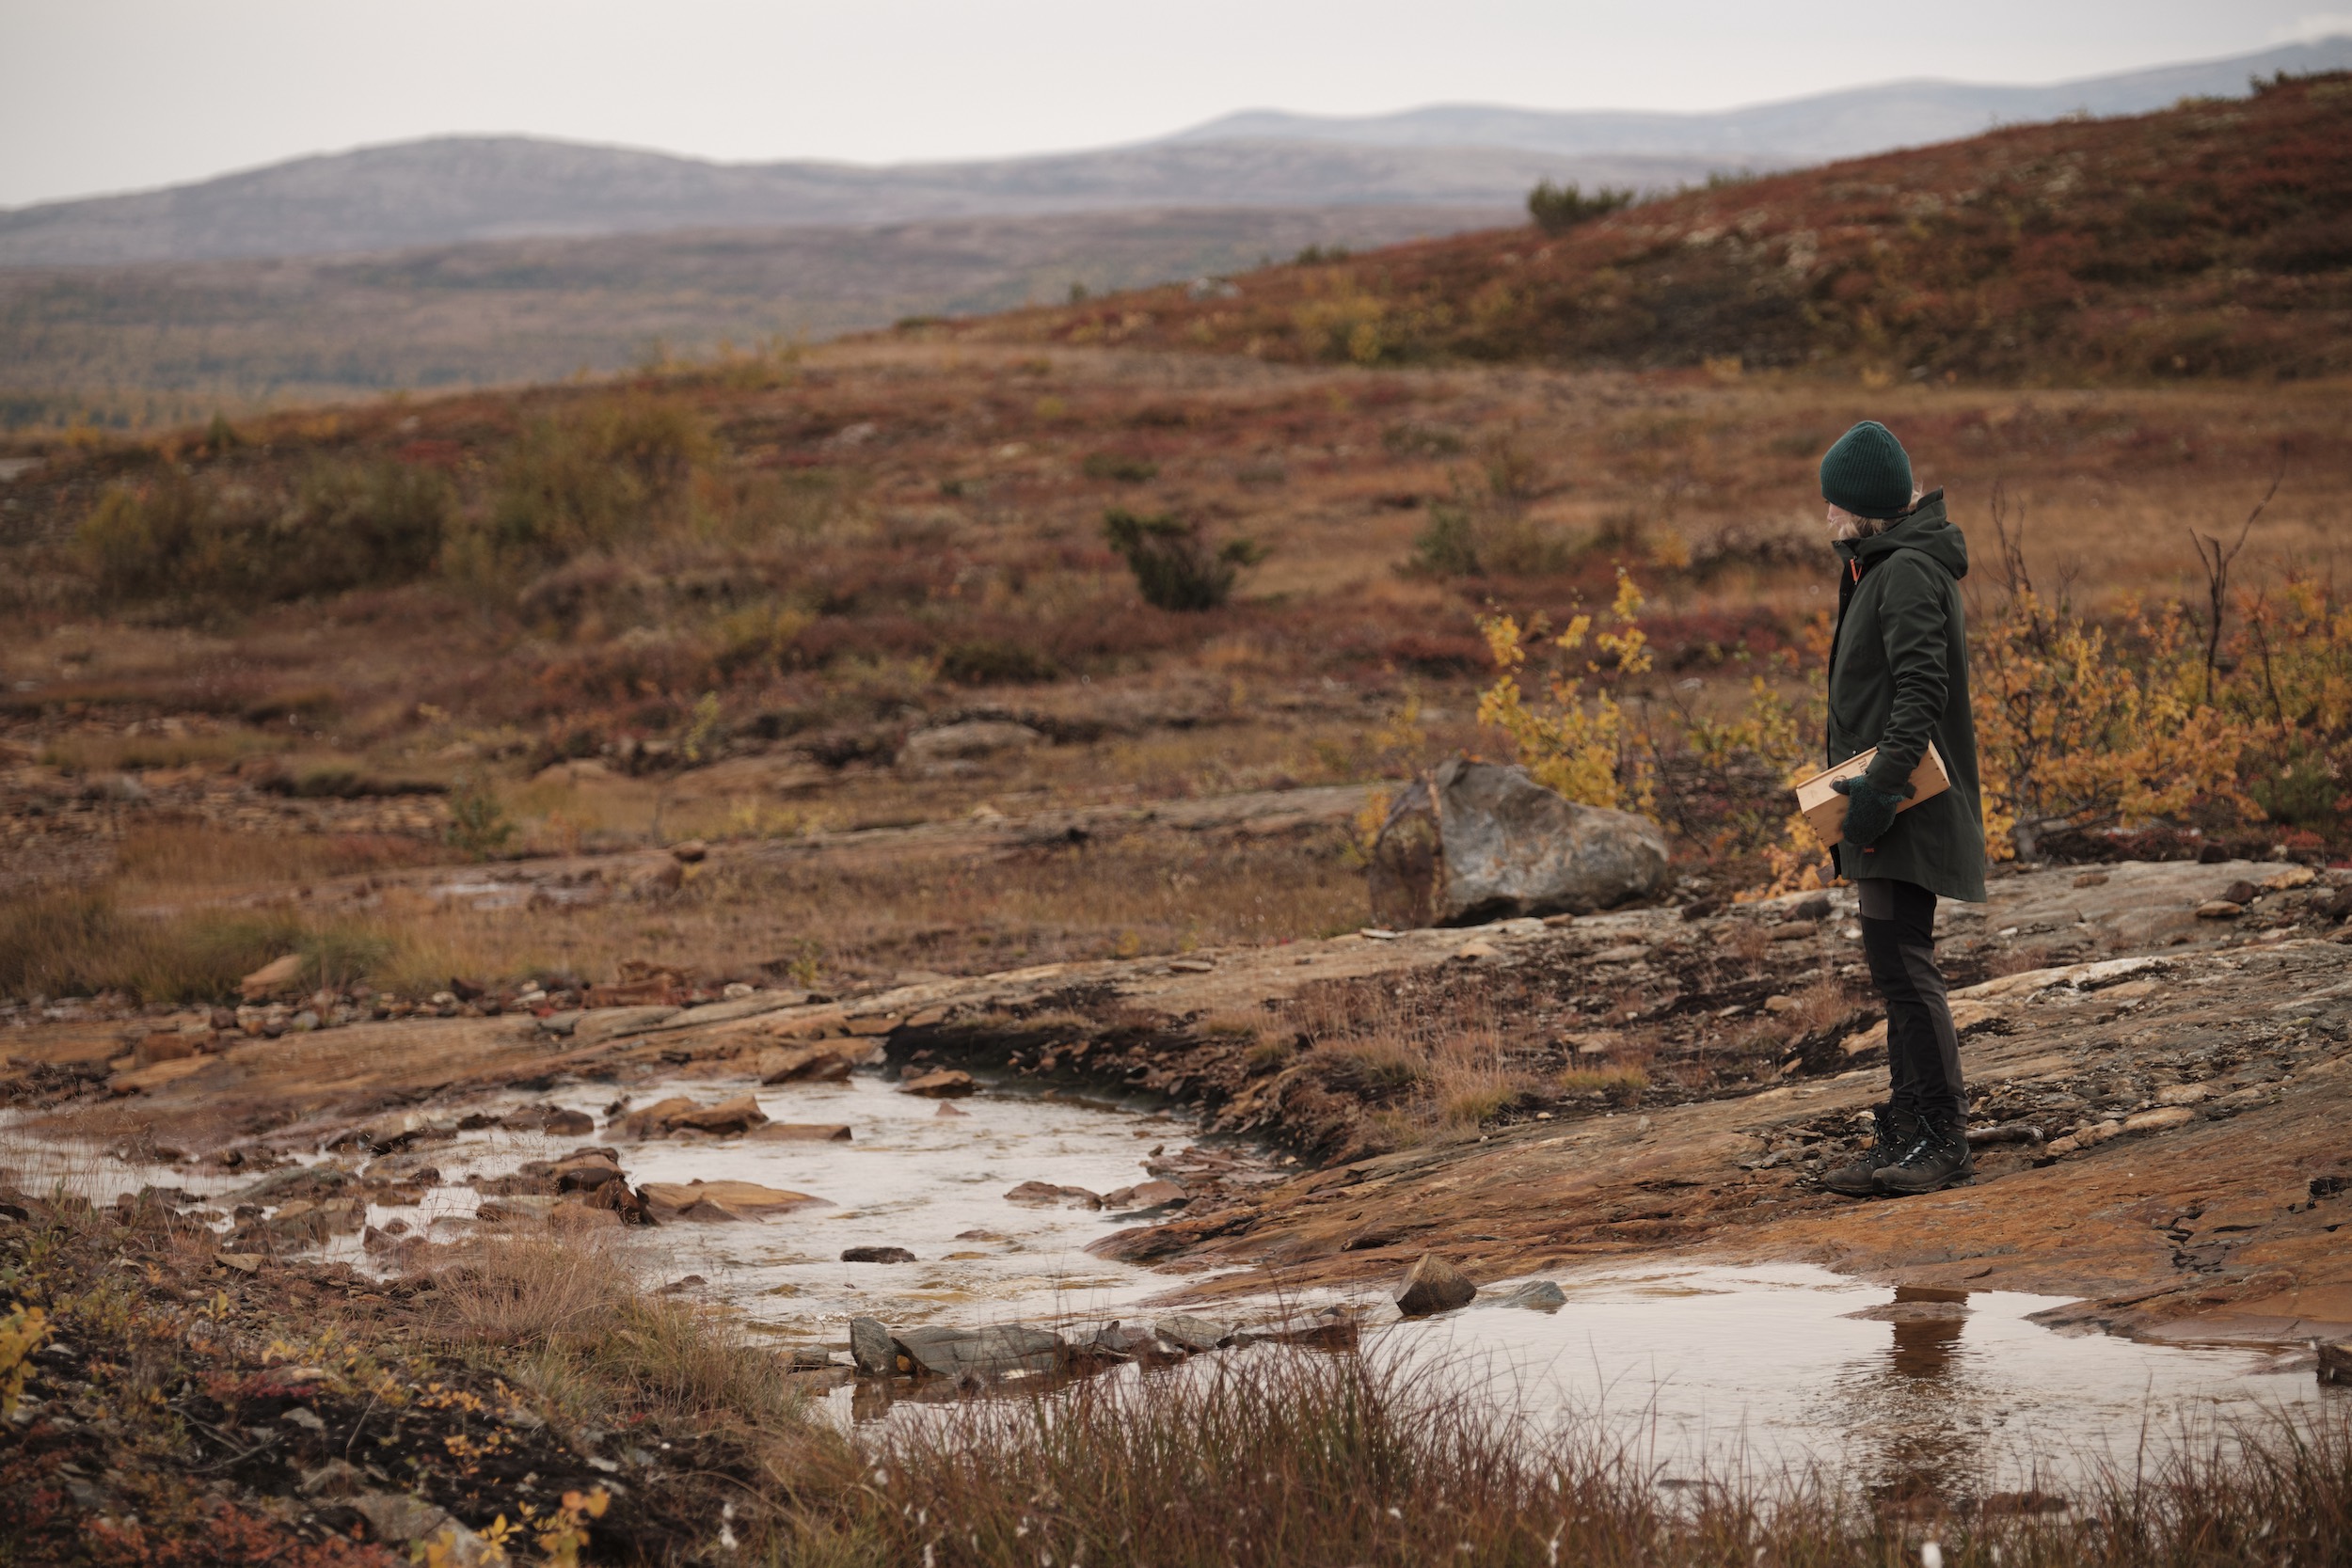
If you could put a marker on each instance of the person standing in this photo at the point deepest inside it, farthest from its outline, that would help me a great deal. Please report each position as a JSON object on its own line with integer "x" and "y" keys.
{"x": 1897, "y": 680}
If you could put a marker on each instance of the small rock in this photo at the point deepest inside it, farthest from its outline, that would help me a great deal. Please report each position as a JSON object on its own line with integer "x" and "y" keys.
{"x": 397, "y": 1518}
{"x": 1433, "y": 1285}
{"x": 2241, "y": 892}
{"x": 1192, "y": 966}
{"x": 1125, "y": 1339}
{"x": 337, "y": 1477}
{"x": 277, "y": 975}
{"x": 1193, "y": 1334}
{"x": 946, "y": 1084}
{"x": 800, "y": 1133}
{"x": 243, "y": 1262}
{"x": 1780, "y": 1004}
{"x": 826, "y": 1062}
{"x": 870, "y": 1347}
{"x": 2090, "y": 879}
{"x": 690, "y": 851}
{"x": 2180, "y": 1094}
{"x": 738, "y": 1115}
{"x": 876, "y": 1254}
{"x": 948, "y": 1110}
{"x": 1536, "y": 1295}
{"x": 2219, "y": 909}
{"x": 1045, "y": 1194}
{"x": 1631, "y": 953}
{"x": 2157, "y": 1120}
{"x": 1154, "y": 1194}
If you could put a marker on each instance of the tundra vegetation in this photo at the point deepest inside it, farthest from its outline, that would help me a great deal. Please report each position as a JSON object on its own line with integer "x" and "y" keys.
{"x": 856, "y": 666}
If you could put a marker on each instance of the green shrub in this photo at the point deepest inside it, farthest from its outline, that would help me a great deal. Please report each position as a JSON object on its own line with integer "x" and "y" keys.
{"x": 1559, "y": 208}
{"x": 352, "y": 526}
{"x": 477, "y": 821}
{"x": 1448, "y": 546}
{"x": 594, "y": 477}
{"x": 346, "y": 526}
{"x": 1127, "y": 470}
{"x": 995, "y": 662}
{"x": 1173, "y": 566}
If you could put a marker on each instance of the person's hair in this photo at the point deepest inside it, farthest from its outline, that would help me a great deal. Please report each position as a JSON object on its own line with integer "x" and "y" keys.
{"x": 1859, "y": 527}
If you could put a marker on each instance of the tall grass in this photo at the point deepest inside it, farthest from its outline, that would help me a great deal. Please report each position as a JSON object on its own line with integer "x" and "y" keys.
{"x": 78, "y": 941}
{"x": 569, "y": 1317}
{"x": 1292, "y": 1458}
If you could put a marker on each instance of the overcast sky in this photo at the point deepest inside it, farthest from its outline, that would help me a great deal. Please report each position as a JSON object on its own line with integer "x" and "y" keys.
{"x": 105, "y": 95}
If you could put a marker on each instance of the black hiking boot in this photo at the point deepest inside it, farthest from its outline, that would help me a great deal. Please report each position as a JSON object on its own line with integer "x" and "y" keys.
{"x": 1893, "y": 1131}
{"x": 1938, "y": 1157}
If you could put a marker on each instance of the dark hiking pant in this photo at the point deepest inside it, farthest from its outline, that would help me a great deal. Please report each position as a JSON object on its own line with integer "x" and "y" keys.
{"x": 1922, "y": 1047}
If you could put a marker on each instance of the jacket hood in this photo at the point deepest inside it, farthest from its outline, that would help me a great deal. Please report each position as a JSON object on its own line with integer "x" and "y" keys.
{"x": 1925, "y": 529}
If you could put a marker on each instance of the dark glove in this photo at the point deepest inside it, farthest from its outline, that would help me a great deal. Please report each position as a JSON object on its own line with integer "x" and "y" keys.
{"x": 1869, "y": 811}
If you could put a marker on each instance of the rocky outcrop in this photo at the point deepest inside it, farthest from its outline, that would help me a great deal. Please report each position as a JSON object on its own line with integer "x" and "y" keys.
{"x": 1477, "y": 840}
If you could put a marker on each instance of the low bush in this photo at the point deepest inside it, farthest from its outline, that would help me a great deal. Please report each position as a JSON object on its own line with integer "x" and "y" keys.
{"x": 1173, "y": 566}
{"x": 995, "y": 661}
{"x": 1125, "y": 470}
{"x": 344, "y": 526}
{"x": 1557, "y": 208}
{"x": 592, "y": 477}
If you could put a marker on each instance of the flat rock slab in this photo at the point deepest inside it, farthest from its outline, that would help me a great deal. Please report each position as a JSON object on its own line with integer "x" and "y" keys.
{"x": 747, "y": 1200}
{"x": 800, "y": 1132}
{"x": 947, "y": 1084}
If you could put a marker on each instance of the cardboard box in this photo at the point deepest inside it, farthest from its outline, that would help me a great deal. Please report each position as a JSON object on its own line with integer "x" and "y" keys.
{"x": 1826, "y": 809}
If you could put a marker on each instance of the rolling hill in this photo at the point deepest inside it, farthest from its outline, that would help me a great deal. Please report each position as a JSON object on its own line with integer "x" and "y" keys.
{"x": 2210, "y": 238}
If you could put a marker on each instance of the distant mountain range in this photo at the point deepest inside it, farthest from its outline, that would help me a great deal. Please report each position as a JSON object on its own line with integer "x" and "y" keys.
{"x": 455, "y": 190}
{"x": 1845, "y": 124}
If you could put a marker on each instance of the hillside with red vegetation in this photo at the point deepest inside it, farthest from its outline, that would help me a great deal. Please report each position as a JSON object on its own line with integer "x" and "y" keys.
{"x": 2212, "y": 239}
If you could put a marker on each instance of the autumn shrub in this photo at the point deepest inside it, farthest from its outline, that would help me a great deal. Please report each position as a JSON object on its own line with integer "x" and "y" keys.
{"x": 2148, "y": 718}
{"x": 1482, "y": 526}
{"x": 1174, "y": 566}
{"x": 1576, "y": 739}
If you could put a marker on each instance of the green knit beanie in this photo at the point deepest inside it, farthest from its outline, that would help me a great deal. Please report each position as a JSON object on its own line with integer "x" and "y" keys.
{"x": 1868, "y": 472}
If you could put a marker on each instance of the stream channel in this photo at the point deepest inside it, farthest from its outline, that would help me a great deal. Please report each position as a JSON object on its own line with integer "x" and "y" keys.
{"x": 1695, "y": 1368}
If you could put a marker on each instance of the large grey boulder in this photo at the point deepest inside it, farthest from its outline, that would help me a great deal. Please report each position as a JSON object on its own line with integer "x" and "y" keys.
{"x": 1478, "y": 841}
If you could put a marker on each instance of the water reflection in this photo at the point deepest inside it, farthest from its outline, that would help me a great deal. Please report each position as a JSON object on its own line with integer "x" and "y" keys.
{"x": 1923, "y": 1445}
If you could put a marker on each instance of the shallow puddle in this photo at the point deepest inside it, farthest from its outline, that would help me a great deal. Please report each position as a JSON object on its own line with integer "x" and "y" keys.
{"x": 1703, "y": 1367}
{"x": 912, "y": 1177}
{"x": 1699, "y": 1371}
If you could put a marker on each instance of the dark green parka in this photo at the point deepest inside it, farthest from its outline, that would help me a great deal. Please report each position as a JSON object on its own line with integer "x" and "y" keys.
{"x": 1899, "y": 678}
